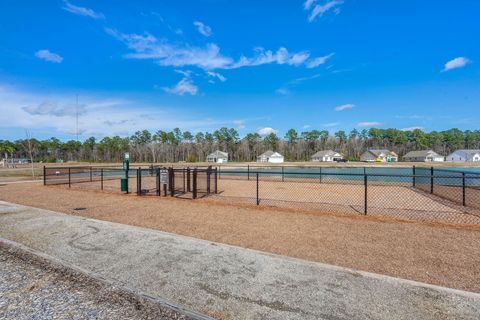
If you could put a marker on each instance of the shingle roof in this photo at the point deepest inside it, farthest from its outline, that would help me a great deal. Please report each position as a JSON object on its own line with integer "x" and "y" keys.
{"x": 421, "y": 154}
{"x": 324, "y": 153}
{"x": 469, "y": 151}
{"x": 269, "y": 153}
{"x": 218, "y": 154}
{"x": 377, "y": 152}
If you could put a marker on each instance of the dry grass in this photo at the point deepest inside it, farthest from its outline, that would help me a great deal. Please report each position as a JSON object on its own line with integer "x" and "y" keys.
{"x": 429, "y": 252}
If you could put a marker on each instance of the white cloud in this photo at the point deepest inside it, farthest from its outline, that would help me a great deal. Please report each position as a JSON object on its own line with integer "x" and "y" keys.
{"x": 100, "y": 115}
{"x": 411, "y": 128}
{"x": 319, "y": 10}
{"x": 164, "y": 53}
{"x": 344, "y": 107}
{"x": 307, "y": 4}
{"x": 306, "y": 126}
{"x": 282, "y": 91}
{"x": 239, "y": 123}
{"x": 456, "y": 63}
{"x": 266, "y": 131}
{"x": 82, "y": 11}
{"x": 54, "y": 109}
{"x": 216, "y": 75}
{"x": 319, "y": 61}
{"x": 331, "y": 124}
{"x": 202, "y": 28}
{"x": 369, "y": 124}
{"x": 184, "y": 86}
{"x": 49, "y": 56}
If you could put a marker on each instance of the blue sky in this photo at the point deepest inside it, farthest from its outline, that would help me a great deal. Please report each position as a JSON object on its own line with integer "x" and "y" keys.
{"x": 254, "y": 65}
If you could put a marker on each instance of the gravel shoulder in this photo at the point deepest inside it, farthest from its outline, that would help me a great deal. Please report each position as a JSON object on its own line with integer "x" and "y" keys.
{"x": 32, "y": 288}
{"x": 438, "y": 254}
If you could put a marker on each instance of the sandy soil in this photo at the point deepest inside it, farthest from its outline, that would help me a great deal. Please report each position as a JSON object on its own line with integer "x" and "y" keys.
{"x": 440, "y": 254}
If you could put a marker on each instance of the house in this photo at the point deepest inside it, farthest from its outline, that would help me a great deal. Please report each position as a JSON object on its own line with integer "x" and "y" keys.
{"x": 218, "y": 157}
{"x": 423, "y": 156}
{"x": 379, "y": 155}
{"x": 270, "y": 156}
{"x": 464, "y": 156}
{"x": 327, "y": 155}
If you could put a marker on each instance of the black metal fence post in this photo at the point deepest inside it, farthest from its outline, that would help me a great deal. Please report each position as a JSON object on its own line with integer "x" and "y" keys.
{"x": 464, "y": 199}
{"x": 414, "y": 172}
{"x": 283, "y": 173}
{"x": 194, "y": 191}
{"x": 431, "y": 180}
{"x": 216, "y": 182}
{"x": 171, "y": 180}
{"x": 139, "y": 181}
{"x": 188, "y": 180}
{"x": 69, "y": 177}
{"x": 91, "y": 174}
{"x": 248, "y": 172}
{"x": 44, "y": 176}
{"x": 365, "y": 181}
{"x": 320, "y": 175}
{"x": 157, "y": 185}
{"x": 101, "y": 179}
{"x": 258, "y": 198}
{"x": 209, "y": 172}
{"x": 184, "y": 180}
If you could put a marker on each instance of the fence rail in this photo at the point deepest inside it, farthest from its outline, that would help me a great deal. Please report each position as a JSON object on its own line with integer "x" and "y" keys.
{"x": 154, "y": 180}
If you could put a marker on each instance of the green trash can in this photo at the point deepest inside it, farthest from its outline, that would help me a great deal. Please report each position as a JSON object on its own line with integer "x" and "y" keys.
{"x": 124, "y": 185}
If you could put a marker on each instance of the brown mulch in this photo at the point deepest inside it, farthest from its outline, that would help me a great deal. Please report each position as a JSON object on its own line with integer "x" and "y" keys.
{"x": 435, "y": 253}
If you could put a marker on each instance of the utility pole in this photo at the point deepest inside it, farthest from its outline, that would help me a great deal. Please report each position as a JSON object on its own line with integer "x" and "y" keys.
{"x": 76, "y": 118}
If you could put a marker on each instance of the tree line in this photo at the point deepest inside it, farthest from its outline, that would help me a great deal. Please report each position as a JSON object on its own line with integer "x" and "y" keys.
{"x": 175, "y": 145}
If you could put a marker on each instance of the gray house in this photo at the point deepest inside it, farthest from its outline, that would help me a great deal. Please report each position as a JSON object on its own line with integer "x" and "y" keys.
{"x": 218, "y": 157}
{"x": 423, "y": 156}
{"x": 379, "y": 155}
{"x": 326, "y": 155}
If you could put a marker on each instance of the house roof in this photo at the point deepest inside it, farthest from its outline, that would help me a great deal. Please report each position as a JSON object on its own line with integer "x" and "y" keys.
{"x": 421, "y": 154}
{"x": 324, "y": 153}
{"x": 377, "y": 152}
{"x": 269, "y": 153}
{"x": 471, "y": 152}
{"x": 218, "y": 154}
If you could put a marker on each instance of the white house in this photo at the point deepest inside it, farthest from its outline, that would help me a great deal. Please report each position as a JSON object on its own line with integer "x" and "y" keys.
{"x": 379, "y": 155}
{"x": 327, "y": 155}
{"x": 218, "y": 157}
{"x": 423, "y": 156}
{"x": 464, "y": 156}
{"x": 270, "y": 156}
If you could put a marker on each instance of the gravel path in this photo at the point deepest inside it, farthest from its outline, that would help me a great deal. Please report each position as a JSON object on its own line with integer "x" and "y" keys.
{"x": 35, "y": 290}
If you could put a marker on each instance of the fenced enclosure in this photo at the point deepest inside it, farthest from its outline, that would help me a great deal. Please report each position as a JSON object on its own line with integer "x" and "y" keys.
{"x": 152, "y": 181}
{"x": 410, "y": 193}
{"x": 417, "y": 193}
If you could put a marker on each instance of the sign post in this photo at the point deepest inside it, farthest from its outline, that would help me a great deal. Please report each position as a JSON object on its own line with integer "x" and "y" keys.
{"x": 126, "y": 167}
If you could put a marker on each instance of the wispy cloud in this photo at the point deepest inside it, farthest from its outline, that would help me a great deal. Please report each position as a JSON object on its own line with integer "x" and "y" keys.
{"x": 282, "y": 91}
{"x": 216, "y": 75}
{"x": 306, "y": 126}
{"x": 320, "y": 10}
{"x": 369, "y": 124}
{"x": 55, "y": 109}
{"x": 411, "y": 128}
{"x": 239, "y": 123}
{"x": 49, "y": 56}
{"x": 331, "y": 124}
{"x": 319, "y": 61}
{"x": 203, "y": 28}
{"x": 209, "y": 57}
{"x": 184, "y": 86}
{"x": 344, "y": 107}
{"x": 266, "y": 131}
{"x": 285, "y": 89}
{"x": 456, "y": 63}
{"x": 82, "y": 11}
{"x": 99, "y": 115}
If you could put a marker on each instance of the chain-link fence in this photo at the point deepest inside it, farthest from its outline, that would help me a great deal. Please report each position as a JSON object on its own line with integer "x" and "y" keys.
{"x": 154, "y": 180}
{"x": 411, "y": 193}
